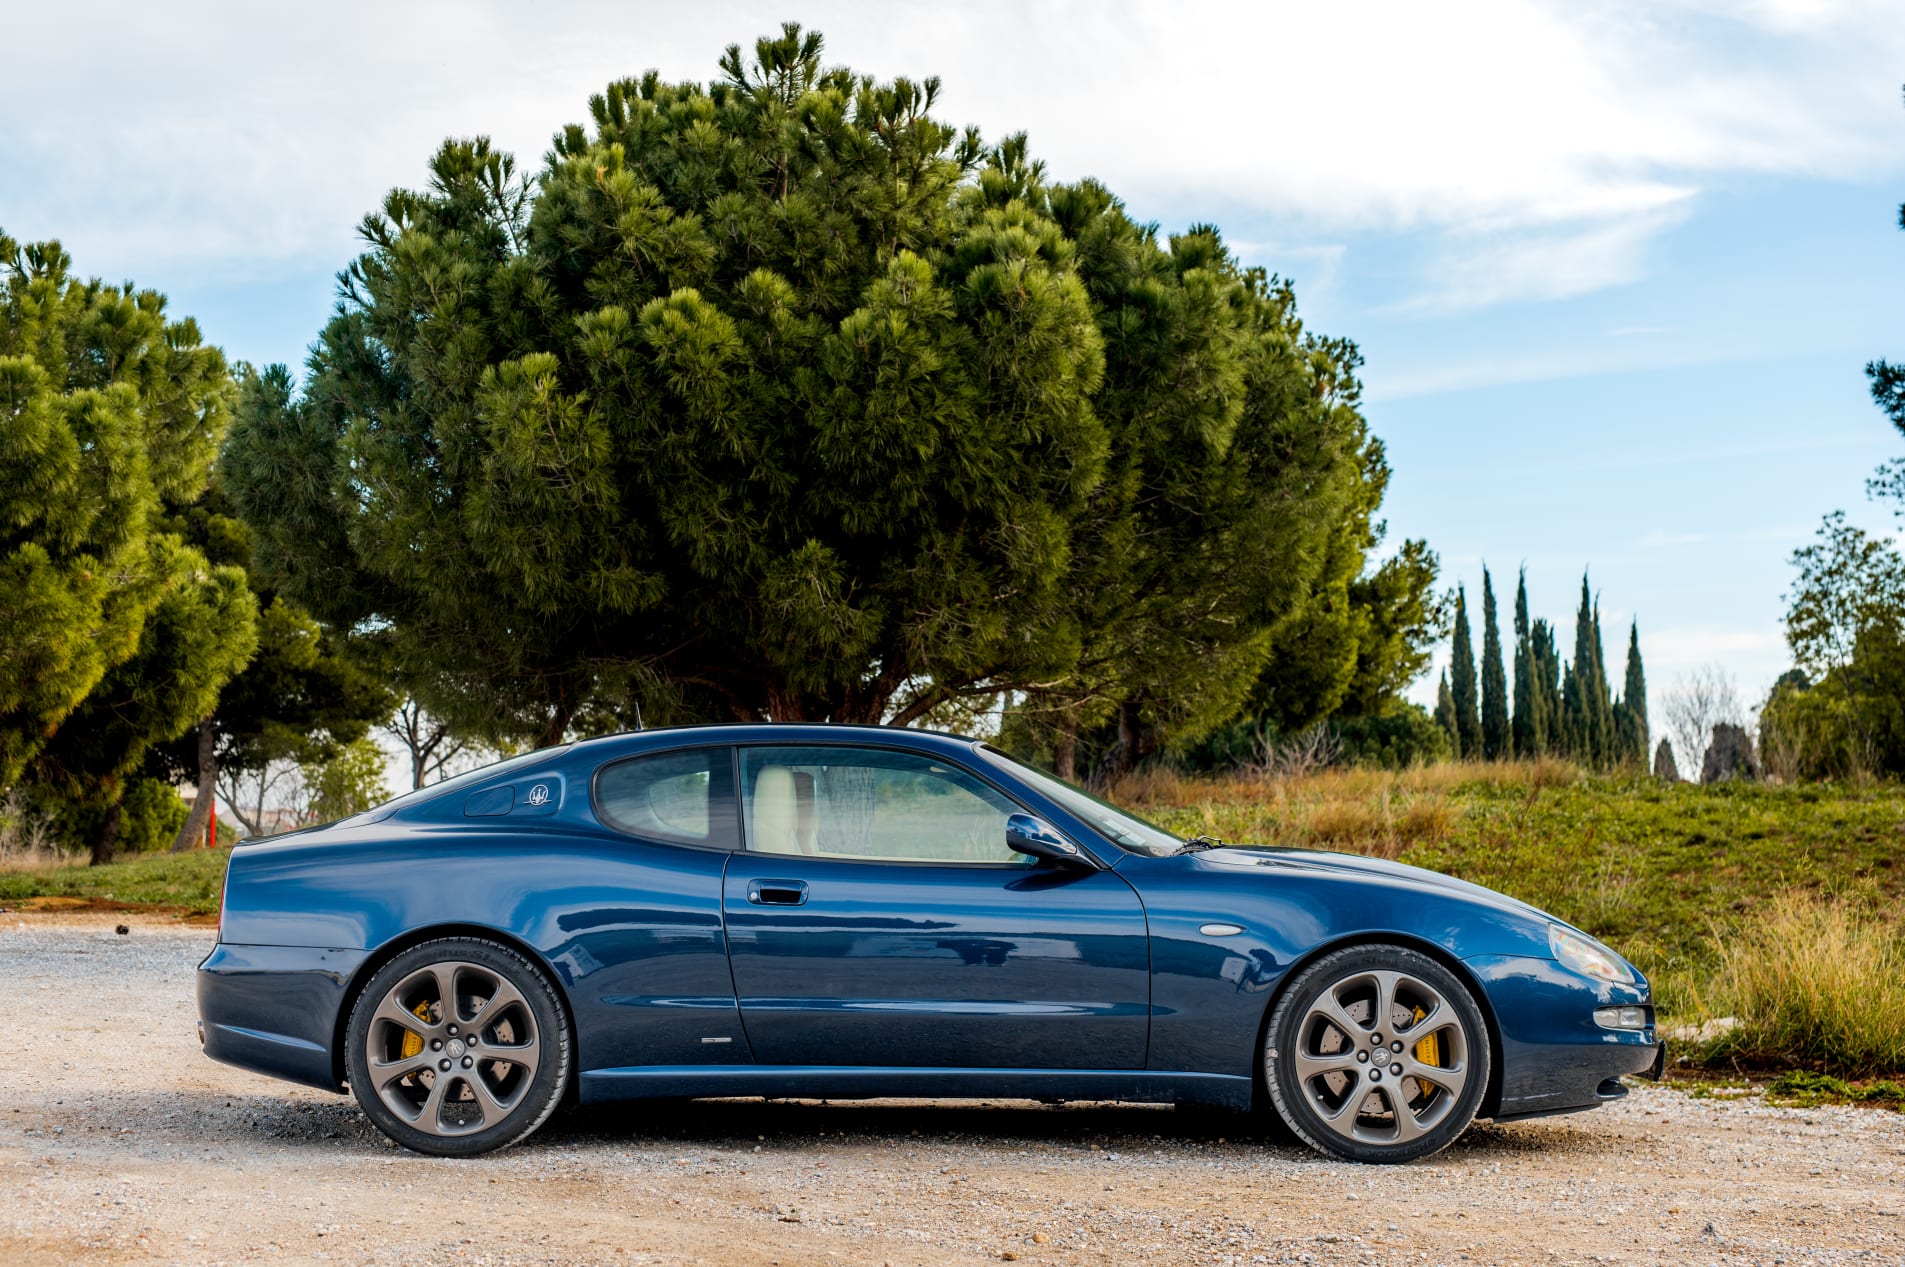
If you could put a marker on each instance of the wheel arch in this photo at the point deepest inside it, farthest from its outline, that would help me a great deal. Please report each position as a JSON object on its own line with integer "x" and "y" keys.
{"x": 434, "y": 932}
{"x": 1491, "y": 1098}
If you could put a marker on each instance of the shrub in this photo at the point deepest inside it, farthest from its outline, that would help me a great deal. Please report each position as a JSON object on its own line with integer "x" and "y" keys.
{"x": 1397, "y": 740}
{"x": 1814, "y": 979}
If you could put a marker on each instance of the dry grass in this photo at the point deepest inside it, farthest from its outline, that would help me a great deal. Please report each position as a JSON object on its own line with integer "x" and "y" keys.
{"x": 1814, "y": 979}
{"x": 37, "y": 859}
{"x": 1379, "y": 812}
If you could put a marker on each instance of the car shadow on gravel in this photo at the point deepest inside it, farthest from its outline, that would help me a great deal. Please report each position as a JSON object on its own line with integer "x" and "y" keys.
{"x": 203, "y": 1119}
{"x": 1004, "y": 1124}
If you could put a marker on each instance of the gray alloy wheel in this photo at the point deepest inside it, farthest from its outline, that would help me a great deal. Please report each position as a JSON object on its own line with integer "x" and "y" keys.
{"x": 458, "y": 1047}
{"x": 1377, "y": 1053}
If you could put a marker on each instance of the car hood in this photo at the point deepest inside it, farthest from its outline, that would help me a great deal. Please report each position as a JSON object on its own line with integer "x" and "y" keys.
{"x": 1356, "y": 866}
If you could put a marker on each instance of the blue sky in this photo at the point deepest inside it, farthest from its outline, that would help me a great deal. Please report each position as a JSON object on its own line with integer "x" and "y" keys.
{"x": 1615, "y": 268}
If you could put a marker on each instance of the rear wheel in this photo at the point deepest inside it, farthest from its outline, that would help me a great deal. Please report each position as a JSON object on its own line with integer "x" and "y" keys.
{"x": 458, "y": 1047}
{"x": 1377, "y": 1054}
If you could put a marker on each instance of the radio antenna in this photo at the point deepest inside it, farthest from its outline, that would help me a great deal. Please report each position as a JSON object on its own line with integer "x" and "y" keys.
{"x": 638, "y": 716}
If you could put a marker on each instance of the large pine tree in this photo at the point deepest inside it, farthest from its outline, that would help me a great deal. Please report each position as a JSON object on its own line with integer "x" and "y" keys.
{"x": 1496, "y": 742}
{"x": 1530, "y": 731}
{"x": 778, "y": 397}
{"x": 1462, "y": 684}
{"x": 114, "y": 634}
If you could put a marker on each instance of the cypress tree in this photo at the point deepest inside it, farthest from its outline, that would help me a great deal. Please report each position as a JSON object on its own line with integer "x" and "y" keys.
{"x": 1606, "y": 733}
{"x": 1468, "y": 719}
{"x": 1547, "y": 663}
{"x": 1631, "y": 712}
{"x": 1445, "y": 716}
{"x": 1527, "y": 731}
{"x": 1496, "y": 743}
{"x": 1589, "y": 721}
{"x": 1574, "y": 740}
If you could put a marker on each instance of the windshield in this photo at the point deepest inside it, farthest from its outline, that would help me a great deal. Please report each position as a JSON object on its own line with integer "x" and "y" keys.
{"x": 1126, "y": 830}
{"x": 533, "y": 757}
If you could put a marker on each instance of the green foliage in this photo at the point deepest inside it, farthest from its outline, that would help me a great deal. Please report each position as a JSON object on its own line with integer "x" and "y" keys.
{"x": 1530, "y": 723}
{"x": 1404, "y": 736}
{"x": 307, "y": 690}
{"x": 118, "y": 635}
{"x": 150, "y": 816}
{"x": 1401, "y": 618}
{"x": 1630, "y": 710}
{"x": 348, "y": 782}
{"x": 1849, "y": 583}
{"x": 1850, "y": 724}
{"x": 1445, "y": 716}
{"x": 1802, "y": 1088}
{"x": 776, "y": 397}
{"x": 1497, "y": 744}
{"x": 150, "y": 813}
{"x": 1547, "y": 684}
{"x": 1462, "y": 685}
{"x": 1841, "y": 712}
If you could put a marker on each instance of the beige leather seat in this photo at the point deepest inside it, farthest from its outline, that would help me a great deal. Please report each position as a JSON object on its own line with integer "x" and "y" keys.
{"x": 781, "y": 812}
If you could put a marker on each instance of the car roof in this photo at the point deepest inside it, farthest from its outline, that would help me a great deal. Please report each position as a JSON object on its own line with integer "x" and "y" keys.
{"x": 782, "y": 732}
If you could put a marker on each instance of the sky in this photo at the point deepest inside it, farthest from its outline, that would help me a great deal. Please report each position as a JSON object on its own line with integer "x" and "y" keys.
{"x": 1615, "y": 269}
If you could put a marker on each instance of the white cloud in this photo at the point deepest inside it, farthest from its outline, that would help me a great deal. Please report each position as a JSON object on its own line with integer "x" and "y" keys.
{"x": 1550, "y": 142}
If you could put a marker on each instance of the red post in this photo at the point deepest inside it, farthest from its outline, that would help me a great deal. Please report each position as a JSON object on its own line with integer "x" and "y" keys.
{"x": 211, "y": 827}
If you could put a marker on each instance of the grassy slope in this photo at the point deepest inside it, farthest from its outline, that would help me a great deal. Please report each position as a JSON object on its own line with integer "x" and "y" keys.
{"x": 188, "y": 882}
{"x": 1654, "y": 869}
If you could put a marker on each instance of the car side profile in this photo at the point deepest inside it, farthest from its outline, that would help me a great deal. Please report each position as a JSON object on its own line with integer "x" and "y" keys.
{"x": 856, "y": 912}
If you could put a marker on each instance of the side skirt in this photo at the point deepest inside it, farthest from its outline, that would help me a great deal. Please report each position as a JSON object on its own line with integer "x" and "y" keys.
{"x": 872, "y": 1082}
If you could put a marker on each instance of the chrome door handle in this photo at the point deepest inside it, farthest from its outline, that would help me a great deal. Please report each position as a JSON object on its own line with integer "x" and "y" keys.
{"x": 777, "y": 892}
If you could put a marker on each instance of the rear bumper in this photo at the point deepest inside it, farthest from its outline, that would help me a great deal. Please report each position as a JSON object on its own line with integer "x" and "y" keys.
{"x": 275, "y": 1009}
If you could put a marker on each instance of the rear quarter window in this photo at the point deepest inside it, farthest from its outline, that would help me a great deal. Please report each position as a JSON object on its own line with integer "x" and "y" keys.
{"x": 684, "y": 797}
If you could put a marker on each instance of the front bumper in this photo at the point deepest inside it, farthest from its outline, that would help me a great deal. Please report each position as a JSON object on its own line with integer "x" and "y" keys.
{"x": 1553, "y": 1057}
{"x": 276, "y": 1010}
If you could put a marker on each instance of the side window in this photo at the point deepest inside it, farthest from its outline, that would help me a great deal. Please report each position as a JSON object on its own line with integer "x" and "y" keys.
{"x": 832, "y": 802}
{"x": 685, "y": 796}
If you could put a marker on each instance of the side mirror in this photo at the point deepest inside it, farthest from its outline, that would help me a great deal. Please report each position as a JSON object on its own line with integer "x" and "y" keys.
{"x": 1028, "y": 835}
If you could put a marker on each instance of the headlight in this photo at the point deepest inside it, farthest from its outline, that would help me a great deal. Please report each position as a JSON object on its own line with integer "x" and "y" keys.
{"x": 1587, "y": 956}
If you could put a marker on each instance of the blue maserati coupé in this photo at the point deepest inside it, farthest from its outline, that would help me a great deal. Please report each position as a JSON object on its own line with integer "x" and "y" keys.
{"x": 848, "y": 912}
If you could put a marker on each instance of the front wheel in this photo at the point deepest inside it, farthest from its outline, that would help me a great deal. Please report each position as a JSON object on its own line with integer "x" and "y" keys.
{"x": 458, "y": 1047}
{"x": 1377, "y": 1054}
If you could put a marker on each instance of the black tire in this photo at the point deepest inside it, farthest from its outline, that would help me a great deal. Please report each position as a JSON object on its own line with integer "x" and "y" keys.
{"x": 501, "y": 1049}
{"x": 1363, "y": 1087}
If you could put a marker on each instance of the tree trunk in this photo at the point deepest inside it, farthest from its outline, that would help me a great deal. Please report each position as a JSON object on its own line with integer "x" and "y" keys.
{"x": 1065, "y": 748}
{"x": 106, "y": 844}
{"x": 557, "y": 726}
{"x": 194, "y": 829}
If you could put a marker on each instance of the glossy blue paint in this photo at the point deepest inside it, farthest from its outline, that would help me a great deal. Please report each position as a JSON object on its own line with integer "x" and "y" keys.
{"x": 708, "y": 970}
{"x": 913, "y": 965}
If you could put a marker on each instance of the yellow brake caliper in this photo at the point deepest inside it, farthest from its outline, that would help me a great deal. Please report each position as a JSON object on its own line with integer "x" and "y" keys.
{"x": 413, "y": 1043}
{"x": 1428, "y": 1051}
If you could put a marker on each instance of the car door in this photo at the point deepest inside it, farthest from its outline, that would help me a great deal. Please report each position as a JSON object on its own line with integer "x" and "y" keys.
{"x": 876, "y": 917}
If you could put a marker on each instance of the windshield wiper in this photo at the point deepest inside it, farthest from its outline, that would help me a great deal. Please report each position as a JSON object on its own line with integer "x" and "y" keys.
{"x": 1197, "y": 844}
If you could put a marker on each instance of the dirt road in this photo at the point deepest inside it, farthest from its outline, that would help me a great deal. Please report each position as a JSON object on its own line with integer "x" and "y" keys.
{"x": 120, "y": 1143}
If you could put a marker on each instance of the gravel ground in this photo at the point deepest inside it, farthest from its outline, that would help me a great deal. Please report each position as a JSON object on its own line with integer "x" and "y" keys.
{"x": 120, "y": 1142}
